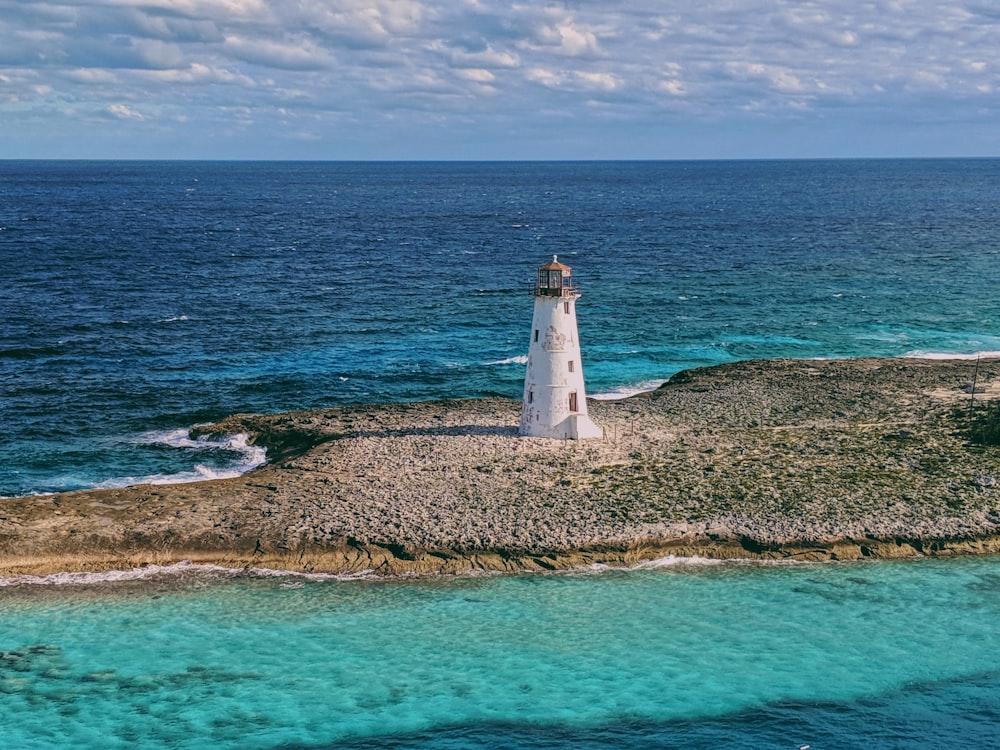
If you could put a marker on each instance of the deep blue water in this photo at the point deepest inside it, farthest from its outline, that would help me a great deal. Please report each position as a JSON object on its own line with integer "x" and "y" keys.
{"x": 140, "y": 298}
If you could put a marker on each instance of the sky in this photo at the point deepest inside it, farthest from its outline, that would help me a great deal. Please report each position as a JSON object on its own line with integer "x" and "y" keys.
{"x": 475, "y": 79}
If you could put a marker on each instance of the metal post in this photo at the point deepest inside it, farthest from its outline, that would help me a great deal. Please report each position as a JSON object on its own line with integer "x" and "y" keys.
{"x": 975, "y": 377}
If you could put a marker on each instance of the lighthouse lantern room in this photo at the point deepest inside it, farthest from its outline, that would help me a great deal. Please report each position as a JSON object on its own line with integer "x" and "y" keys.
{"x": 555, "y": 402}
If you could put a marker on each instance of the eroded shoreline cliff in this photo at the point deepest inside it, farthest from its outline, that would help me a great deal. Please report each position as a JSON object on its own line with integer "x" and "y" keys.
{"x": 787, "y": 459}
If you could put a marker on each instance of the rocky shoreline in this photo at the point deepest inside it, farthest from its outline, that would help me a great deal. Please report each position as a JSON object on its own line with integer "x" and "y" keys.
{"x": 785, "y": 459}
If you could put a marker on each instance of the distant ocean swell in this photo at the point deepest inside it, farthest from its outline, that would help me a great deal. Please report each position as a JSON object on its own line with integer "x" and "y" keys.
{"x": 197, "y": 290}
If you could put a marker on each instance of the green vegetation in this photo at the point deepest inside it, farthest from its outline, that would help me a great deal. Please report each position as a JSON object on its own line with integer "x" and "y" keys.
{"x": 982, "y": 423}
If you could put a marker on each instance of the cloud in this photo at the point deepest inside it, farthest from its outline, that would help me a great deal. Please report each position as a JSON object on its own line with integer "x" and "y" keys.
{"x": 124, "y": 112}
{"x": 775, "y": 77}
{"x": 197, "y": 73}
{"x": 564, "y": 34}
{"x": 218, "y": 9}
{"x": 350, "y": 69}
{"x": 545, "y": 77}
{"x": 601, "y": 81}
{"x": 91, "y": 76}
{"x": 462, "y": 57}
{"x": 295, "y": 53}
{"x": 478, "y": 75}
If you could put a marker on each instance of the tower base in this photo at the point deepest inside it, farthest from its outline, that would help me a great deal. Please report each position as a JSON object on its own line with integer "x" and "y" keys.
{"x": 574, "y": 427}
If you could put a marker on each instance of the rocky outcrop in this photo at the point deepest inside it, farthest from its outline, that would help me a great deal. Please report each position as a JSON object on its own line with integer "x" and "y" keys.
{"x": 810, "y": 460}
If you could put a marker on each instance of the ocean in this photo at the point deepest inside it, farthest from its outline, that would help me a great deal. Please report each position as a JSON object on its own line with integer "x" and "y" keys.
{"x": 894, "y": 655}
{"x": 141, "y": 298}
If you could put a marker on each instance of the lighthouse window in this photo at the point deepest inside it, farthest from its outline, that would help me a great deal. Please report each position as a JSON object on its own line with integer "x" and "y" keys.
{"x": 536, "y": 334}
{"x": 566, "y": 307}
{"x": 531, "y": 397}
{"x": 571, "y": 365}
{"x": 572, "y": 402}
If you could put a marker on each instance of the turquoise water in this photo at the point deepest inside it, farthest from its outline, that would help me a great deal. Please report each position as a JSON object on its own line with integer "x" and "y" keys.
{"x": 885, "y": 655}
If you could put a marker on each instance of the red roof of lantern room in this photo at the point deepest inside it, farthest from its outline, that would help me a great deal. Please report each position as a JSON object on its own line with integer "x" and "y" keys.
{"x": 554, "y": 265}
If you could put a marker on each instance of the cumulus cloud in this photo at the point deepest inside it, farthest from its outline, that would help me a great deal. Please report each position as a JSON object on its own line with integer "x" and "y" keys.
{"x": 477, "y": 74}
{"x": 546, "y": 77}
{"x": 124, "y": 112}
{"x": 562, "y": 33}
{"x": 360, "y": 66}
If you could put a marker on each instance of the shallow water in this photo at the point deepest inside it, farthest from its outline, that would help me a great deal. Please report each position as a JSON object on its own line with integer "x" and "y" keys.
{"x": 901, "y": 654}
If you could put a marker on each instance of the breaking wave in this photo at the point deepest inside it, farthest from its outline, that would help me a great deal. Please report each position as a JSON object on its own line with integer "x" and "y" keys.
{"x": 226, "y": 457}
{"x": 625, "y": 391}
{"x": 919, "y": 354}
{"x": 521, "y": 359}
{"x": 176, "y": 571}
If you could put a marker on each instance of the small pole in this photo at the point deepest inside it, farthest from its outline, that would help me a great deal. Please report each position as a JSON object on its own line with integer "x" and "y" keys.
{"x": 975, "y": 377}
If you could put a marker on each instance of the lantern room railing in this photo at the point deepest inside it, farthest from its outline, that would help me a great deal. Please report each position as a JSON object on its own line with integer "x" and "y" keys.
{"x": 537, "y": 290}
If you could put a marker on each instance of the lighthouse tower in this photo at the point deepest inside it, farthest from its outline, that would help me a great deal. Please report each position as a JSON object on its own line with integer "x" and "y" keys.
{"x": 555, "y": 404}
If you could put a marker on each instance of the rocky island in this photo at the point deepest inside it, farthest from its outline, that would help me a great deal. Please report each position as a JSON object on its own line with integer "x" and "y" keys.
{"x": 785, "y": 459}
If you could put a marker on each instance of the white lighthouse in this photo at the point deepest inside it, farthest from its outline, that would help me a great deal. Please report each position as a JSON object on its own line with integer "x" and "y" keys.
{"x": 555, "y": 404}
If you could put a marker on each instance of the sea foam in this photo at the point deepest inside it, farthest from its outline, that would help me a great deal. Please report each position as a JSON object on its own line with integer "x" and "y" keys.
{"x": 114, "y": 576}
{"x": 245, "y": 457}
{"x": 918, "y": 354}
{"x": 521, "y": 359}
{"x": 625, "y": 391}
{"x": 182, "y": 569}
{"x": 186, "y": 569}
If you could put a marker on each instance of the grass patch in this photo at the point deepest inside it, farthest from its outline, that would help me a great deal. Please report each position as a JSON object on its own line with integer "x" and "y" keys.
{"x": 981, "y": 424}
